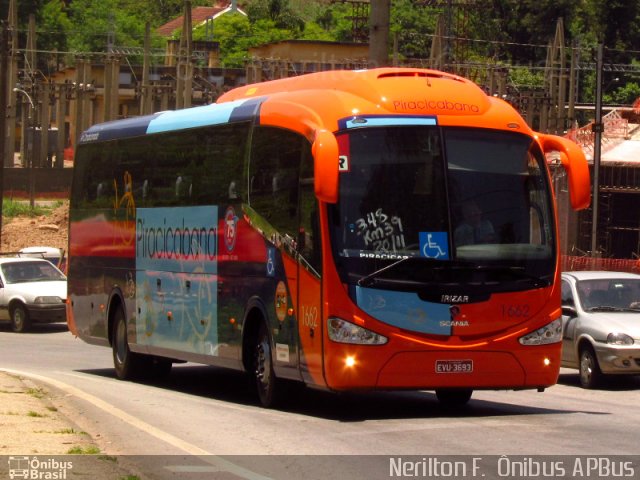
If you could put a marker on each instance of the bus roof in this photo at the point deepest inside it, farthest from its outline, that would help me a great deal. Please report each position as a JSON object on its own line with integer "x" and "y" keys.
{"x": 322, "y": 100}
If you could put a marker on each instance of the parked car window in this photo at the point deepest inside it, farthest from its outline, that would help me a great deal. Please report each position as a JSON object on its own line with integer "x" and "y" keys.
{"x": 567, "y": 294}
{"x": 23, "y": 272}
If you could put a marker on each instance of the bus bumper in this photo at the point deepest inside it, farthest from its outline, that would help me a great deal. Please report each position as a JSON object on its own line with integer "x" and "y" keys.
{"x": 525, "y": 368}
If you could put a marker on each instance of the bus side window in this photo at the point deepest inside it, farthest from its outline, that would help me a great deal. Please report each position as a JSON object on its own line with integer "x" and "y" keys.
{"x": 309, "y": 232}
{"x": 273, "y": 188}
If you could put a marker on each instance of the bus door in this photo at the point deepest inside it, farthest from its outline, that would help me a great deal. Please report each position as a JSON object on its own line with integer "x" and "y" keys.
{"x": 309, "y": 308}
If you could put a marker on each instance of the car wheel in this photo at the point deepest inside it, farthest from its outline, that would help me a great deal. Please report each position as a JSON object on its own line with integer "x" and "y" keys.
{"x": 128, "y": 365}
{"x": 452, "y": 398}
{"x": 265, "y": 379}
{"x": 590, "y": 374}
{"x": 20, "y": 321}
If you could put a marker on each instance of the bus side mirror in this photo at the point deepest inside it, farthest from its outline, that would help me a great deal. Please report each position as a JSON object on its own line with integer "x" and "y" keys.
{"x": 325, "y": 155}
{"x": 575, "y": 163}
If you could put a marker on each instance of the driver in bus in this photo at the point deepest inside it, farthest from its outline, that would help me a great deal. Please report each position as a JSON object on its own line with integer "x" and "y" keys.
{"x": 473, "y": 229}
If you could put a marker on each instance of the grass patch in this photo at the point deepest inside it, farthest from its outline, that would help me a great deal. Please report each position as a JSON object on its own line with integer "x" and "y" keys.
{"x": 36, "y": 392}
{"x": 130, "y": 477}
{"x": 52, "y": 409}
{"x": 12, "y": 208}
{"x": 31, "y": 413}
{"x": 90, "y": 450}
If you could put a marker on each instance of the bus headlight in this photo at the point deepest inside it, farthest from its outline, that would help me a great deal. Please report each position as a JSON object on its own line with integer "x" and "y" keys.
{"x": 550, "y": 333}
{"x": 342, "y": 331}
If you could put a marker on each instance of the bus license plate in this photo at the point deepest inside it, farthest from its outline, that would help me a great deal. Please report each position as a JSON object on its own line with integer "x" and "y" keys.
{"x": 454, "y": 366}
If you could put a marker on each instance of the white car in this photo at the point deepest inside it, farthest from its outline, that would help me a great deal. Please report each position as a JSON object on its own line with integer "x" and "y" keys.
{"x": 601, "y": 324}
{"x": 53, "y": 254}
{"x": 31, "y": 291}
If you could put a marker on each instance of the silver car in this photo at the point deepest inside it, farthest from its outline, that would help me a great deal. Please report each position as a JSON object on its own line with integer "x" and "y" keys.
{"x": 601, "y": 324}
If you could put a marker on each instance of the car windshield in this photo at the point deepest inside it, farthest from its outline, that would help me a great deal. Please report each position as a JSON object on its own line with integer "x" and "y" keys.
{"x": 467, "y": 206}
{"x": 610, "y": 294}
{"x": 23, "y": 272}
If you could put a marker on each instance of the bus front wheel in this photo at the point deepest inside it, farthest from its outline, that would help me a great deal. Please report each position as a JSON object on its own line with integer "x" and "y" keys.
{"x": 452, "y": 398}
{"x": 265, "y": 379}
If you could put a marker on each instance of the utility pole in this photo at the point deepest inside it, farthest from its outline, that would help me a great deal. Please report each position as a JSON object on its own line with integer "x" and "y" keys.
{"x": 12, "y": 79}
{"x": 4, "y": 46}
{"x": 184, "y": 68}
{"x": 379, "y": 33}
{"x": 146, "y": 97}
{"x": 598, "y": 129}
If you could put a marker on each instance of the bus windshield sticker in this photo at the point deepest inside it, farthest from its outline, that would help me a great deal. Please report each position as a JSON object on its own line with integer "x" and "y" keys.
{"x": 271, "y": 266}
{"x": 343, "y": 163}
{"x": 381, "y": 232}
{"x": 434, "y": 245}
{"x": 384, "y": 121}
{"x": 230, "y": 228}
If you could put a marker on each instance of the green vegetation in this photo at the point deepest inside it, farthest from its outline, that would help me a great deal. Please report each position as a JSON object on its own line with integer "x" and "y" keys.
{"x": 36, "y": 392}
{"x": 13, "y": 208}
{"x": 33, "y": 414}
{"x": 78, "y": 450}
{"x": 68, "y": 431}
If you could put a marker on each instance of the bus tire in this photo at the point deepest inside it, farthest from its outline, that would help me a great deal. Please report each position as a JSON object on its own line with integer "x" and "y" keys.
{"x": 20, "y": 321}
{"x": 128, "y": 365}
{"x": 264, "y": 376}
{"x": 454, "y": 397}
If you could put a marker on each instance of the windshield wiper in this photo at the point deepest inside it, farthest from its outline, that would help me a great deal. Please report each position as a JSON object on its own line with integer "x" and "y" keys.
{"x": 434, "y": 264}
{"x": 369, "y": 279}
{"x": 610, "y": 308}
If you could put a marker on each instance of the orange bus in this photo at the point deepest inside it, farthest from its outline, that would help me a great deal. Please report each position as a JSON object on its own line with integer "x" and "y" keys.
{"x": 352, "y": 230}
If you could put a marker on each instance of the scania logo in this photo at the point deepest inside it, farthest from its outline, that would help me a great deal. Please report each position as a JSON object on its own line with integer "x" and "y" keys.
{"x": 454, "y": 311}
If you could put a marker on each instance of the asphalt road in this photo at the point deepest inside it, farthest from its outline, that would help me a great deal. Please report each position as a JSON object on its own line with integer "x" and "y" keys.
{"x": 206, "y": 419}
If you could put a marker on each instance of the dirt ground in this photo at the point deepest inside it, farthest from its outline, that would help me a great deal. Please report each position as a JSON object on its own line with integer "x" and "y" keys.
{"x": 43, "y": 231}
{"x": 33, "y": 428}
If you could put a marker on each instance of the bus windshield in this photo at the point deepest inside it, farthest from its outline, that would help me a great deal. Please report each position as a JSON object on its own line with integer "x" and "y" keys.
{"x": 421, "y": 206}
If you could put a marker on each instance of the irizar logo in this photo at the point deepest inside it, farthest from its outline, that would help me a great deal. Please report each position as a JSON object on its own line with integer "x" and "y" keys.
{"x": 454, "y": 299}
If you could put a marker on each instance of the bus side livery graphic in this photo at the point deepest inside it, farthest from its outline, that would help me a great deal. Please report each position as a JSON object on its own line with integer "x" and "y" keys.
{"x": 379, "y": 229}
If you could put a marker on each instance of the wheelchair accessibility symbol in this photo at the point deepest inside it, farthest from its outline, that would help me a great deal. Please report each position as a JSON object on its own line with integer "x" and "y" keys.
{"x": 434, "y": 245}
{"x": 271, "y": 267}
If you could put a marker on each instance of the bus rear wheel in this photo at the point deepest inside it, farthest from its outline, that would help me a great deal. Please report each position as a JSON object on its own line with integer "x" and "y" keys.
{"x": 128, "y": 365}
{"x": 452, "y": 398}
{"x": 265, "y": 378}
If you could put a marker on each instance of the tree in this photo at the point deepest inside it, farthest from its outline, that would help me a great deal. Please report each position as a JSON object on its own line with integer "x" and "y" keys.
{"x": 278, "y": 11}
{"x": 97, "y": 21}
